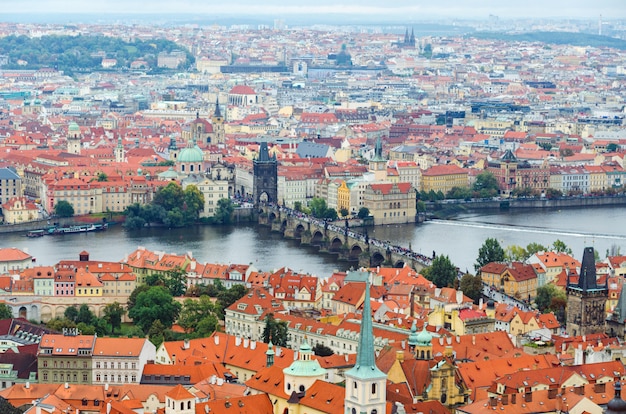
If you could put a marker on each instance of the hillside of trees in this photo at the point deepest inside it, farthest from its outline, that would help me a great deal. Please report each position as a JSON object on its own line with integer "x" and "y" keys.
{"x": 82, "y": 53}
{"x": 558, "y": 38}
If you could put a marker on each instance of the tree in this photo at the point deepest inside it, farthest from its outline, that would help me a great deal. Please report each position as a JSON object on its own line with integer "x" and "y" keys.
{"x": 364, "y": 212}
{"x": 170, "y": 196}
{"x": 275, "y": 331}
{"x": 176, "y": 281}
{"x": 330, "y": 214}
{"x": 441, "y": 272}
{"x": 472, "y": 286}
{"x": 318, "y": 207}
{"x": 199, "y": 317}
{"x": 553, "y": 193}
{"x": 224, "y": 211}
{"x": 486, "y": 184}
{"x": 113, "y": 313}
{"x": 490, "y": 251}
{"x": 612, "y": 147}
{"x": 344, "y": 212}
{"x": 297, "y": 205}
{"x": 102, "y": 177}
{"x": 58, "y": 324}
{"x": 322, "y": 350}
{"x": 156, "y": 333}
{"x": 515, "y": 253}
{"x": 156, "y": 303}
{"x": 63, "y": 209}
{"x": 7, "y": 408}
{"x": 560, "y": 247}
{"x": 84, "y": 315}
{"x": 227, "y": 297}
{"x": 533, "y": 248}
{"x": 551, "y": 299}
{"x": 5, "y": 311}
{"x": 193, "y": 203}
{"x": 71, "y": 313}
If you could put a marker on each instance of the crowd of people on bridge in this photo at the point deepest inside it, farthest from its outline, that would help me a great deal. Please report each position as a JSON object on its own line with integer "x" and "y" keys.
{"x": 362, "y": 237}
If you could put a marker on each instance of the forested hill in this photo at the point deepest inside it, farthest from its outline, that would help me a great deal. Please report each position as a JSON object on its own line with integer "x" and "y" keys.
{"x": 82, "y": 53}
{"x": 559, "y": 38}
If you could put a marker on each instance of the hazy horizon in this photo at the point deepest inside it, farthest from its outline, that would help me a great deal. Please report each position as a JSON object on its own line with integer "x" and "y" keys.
{"x": 351, "y": 9}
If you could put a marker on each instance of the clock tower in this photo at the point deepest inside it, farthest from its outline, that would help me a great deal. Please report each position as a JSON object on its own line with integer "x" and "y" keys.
{"x": 586, "y": 300}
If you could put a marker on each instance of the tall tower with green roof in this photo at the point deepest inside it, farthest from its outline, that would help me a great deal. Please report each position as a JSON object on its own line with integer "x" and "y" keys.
{"x": 73, "y": 138}
{"x": 366, "y": 391}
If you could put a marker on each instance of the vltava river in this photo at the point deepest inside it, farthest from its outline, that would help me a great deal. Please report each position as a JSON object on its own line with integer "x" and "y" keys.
{"x": 459, "y": 239}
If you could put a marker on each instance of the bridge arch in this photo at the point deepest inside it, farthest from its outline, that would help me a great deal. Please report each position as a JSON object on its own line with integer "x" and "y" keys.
{"x": 318, "y": 238}
{"x": 297, "y": 233}
{"x": 355, "y": 252}
{"x": 271, "y": 216}
{"x": 376, "y": 259}
{"x": 283, "y": 226}
{"x": 335, "y": 245}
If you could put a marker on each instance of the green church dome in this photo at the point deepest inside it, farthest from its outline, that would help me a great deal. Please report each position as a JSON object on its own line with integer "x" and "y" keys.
{"x": 424, "y": 338}
{"x": 191, "y": 154}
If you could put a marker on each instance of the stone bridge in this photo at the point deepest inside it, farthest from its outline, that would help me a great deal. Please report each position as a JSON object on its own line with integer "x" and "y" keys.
{"x": 348, "y": 243}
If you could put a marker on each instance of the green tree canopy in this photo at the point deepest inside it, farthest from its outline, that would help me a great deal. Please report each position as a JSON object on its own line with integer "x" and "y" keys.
{"x": 113, "y": 313}
{"x": 224, "y": 211}
{"x": 153, "y": 304}
{"x": 364, "y": 212}
{"x": 490, "y": 251}
{"x": 318, "y": 207}
{"x": 176, "y": 281}
{"x": 533, "y": 248}
{"x": 551, "y": 299}
{"x": 63, "y": 209}
{"x": 199, "y": 317}
{"x": 193, "y": 203}
{"x": 5, "y": 311}
{"x": 515, "y": 253}
{"x": 322, "y": 350}
{"x": 276, "y": 331}
{"x": 441, "y": 272}
{"x": 71, "y": 312}
{"x": 170, "y": 196}
{"x": 472, "y": 286}
{"x": 486, "y": 185}
{"x": 560, "y": 247}
{"x": 344, "y": 212}
{"x": 84, "y": 315}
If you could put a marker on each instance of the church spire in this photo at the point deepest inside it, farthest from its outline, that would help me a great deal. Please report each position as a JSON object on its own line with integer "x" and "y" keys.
{"x": 365, "y": 353}
{"x": 217, "y": 113}
{"x": 365, "y": 383}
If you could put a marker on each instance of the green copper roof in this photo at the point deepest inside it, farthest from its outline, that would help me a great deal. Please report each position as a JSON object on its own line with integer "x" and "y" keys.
{"x": 413, "y": 335}
{"x": 305, "y": 366}
{"x": 191, "y": 154}
{"x": 424, "y": 338}
{"x": 73, "y": 127}
{"x": 365, "y": 367}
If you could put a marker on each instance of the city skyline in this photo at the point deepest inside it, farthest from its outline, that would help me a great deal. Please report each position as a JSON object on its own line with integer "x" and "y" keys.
{"x": 481, "y": 9}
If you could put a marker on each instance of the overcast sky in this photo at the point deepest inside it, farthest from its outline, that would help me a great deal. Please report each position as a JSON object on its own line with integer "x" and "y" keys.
{"x": 413, "y": 10}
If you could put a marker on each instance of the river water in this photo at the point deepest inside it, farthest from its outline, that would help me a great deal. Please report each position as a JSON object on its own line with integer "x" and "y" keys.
{"x": 459, "y": 238}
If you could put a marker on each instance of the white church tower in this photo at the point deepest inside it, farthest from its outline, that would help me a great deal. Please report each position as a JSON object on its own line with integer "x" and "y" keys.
{"x": 73, "y": 138}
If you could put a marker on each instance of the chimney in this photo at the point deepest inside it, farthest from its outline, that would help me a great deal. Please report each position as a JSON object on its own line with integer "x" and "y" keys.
{"x": 186, "y": 344}
{"x": 493, "y": 401}
{"x": 513, "y": 398}
{"x": 67, "y": 385}
{"x": 505, "y": 399}
{"x": 400, "y": 355}
{"x": 459, "y": 297}
{"x": 27, "y": 385}
{"x": 216, "y": 339}
{"x": 473, "y": 339}
{"x": 528, "y": 397}
{"x": 552, "y": 393}
{"x": 106, "y": 387}
{"x": 173, "y": 359}
{"x": 109, "y": 408}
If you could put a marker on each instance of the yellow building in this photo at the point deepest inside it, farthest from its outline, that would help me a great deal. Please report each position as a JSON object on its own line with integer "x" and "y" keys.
{"x": 343, "y": 197}
{"x": 19, "y": 210}
{"x": 443, "y": 178}
{"x": 87, "y": 284}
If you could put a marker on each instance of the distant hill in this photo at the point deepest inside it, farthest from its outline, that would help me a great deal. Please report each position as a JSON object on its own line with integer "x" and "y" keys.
{"x": 559, "y": 38}
{"x": 82, "y": 53}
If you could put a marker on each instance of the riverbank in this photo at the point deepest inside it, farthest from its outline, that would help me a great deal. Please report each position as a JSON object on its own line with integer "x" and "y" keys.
{"x": 449, "y": 208}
